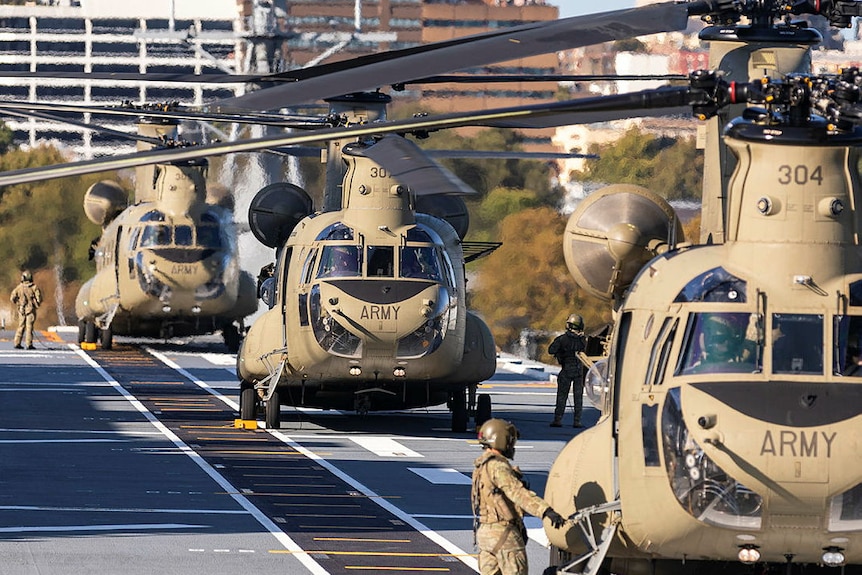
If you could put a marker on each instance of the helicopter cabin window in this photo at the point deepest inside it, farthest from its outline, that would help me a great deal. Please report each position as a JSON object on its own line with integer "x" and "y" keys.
{"x": 381, "y": 261}
{"x": 153, "y": 216}
{"x": 856, "y": 293}
{"x": 420, "y": 262}
{"x": 661, "y": 353}
{"x": 337, "y": 231}
{"x": 417, "y": 234}
{"x": 155, "y": 235}
{"x": 715, "y": 285}
{"x": 848, "y": 346}
{"x": 720, "y": 343}
{"x": 339, "y": 261}
{"x": 183, "y": 235}
{"x": 208, "y": 237}
{"x": 308, "y": 266}
{"x": 797, "y": 343}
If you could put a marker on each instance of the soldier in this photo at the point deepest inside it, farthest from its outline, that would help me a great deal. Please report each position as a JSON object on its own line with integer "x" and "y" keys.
{"x": 27, "y": 297}
{"x": 565, "y": 348}
{"x": 500, "y": 496}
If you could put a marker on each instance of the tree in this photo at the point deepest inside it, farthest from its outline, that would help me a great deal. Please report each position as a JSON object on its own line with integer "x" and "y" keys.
{"x": 525, "y": 284}
{"x": 672, "y": 168}
{"x": 43, "y": 227}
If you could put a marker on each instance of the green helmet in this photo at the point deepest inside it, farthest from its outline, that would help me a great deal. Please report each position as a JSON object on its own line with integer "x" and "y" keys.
{"x": 26, "y": 276}
{"x": 500, "y": 435}
{"x": 575, "y": 322}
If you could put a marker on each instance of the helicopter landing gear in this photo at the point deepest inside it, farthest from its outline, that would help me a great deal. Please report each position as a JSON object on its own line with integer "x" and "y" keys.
{"x": 86, "y": 332}
{"x": 273, "y": 411}
{"x": 232, "y": 337}
{"x": 106, "y": 338}
{"x": 247, "y": 401}
{"x": 483, "y": 409}
{"x": 458, "y": 405}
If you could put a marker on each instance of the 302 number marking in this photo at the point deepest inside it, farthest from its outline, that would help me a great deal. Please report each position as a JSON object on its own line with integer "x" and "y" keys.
{"x": 799, "y": 175}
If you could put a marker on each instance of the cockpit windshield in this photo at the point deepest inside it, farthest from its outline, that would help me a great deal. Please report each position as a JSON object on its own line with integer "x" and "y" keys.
{"x": 721, "y": 343}
{"x": 339, "y": 261}
{"x": 420, "y": 262}
{"x": 163, "y": 235}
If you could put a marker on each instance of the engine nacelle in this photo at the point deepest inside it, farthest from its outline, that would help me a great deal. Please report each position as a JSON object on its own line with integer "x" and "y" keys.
{"x": 275, "y": 210}
{"x": 446, "y": 207}
{"x": 613, "y": 233}
{"x": 104, "y": 201}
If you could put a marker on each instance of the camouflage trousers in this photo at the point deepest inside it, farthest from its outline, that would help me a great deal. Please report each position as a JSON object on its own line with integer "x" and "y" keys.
{"x": 25, "y": 329}
{"x": 502, "y": 550}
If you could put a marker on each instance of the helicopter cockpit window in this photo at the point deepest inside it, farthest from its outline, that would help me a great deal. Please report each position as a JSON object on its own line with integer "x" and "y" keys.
{"x": 183, "y": 235}
{"x": 336, "y": 231}
{"x": 797, "y": 343}
{"x": 856, "y": 293}
{"x": 155, "y": 235}
{"x": 417, "y": 234}
{"x": 208, "y": 237}
{"x": 339, "y": 262}
{"x": 720, "y": 343}
{"x": 381, "y": 261}
{"x": 848, "y": 346}
{"x": 420, "y": 262}
{"x": 715, "y": 285}
{"x": 153, "y": 216}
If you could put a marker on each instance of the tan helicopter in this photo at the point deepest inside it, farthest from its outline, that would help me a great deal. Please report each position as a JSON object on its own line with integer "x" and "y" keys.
{"x": 166, "y": 266}
{"x": 698, "y": 462}
{"x": 367, "y": 298}
{"x": 730, "y": 408}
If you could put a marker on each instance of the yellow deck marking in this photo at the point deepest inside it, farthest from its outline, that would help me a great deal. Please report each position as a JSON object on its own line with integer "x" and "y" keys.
{"x": 361, "y": 540}
{"x": 377, "y": 568}
{"x": 376, "y": 553}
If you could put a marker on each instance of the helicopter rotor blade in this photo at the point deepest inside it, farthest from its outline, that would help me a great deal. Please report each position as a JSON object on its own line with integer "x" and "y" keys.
{"x": 409, "y": 164}
{"x": 525, "y": 115}
{"x": 393, "y": 67}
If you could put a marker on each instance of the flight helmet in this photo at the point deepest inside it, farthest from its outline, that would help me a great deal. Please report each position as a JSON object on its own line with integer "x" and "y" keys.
{"x": 500, "y": 435}
{"x": 26, "y": 276}
{"x": 575, "y": 323}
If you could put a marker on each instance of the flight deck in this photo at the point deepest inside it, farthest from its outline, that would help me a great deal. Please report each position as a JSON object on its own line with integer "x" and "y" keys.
{"x": 132, "y": 460}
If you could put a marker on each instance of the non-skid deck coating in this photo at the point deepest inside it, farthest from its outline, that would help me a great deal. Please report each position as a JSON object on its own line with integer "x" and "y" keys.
{"x": 339, "y": 527}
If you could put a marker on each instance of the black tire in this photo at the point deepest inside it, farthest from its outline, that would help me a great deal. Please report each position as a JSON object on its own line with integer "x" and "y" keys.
{"x": 483, "y": 409}
{"x": 273, "y": 411}
{"x": 231, "y": 337}
{"x": 82, "y": 331}
{"x": 247, "y": 401}
{"x": 106, "y": 337}
{"x": 89, "y": 332}
{"x": 458, "y": 406}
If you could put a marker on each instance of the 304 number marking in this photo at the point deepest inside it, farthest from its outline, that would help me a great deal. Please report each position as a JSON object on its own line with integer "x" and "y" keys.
{"x": 799, "y": 175}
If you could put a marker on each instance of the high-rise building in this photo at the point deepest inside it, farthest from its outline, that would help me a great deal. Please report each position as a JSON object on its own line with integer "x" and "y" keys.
{"x": 235, "y": 36}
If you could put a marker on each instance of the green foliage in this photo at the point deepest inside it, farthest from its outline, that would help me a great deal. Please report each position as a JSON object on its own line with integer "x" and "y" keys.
{"x": 42, "y": 224}
{"x": 525, "y": 283}
{"x": 671, "y": 168}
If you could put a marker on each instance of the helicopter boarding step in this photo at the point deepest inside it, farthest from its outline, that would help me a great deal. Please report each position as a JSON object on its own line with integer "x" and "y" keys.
{"x": 590, "y": 562}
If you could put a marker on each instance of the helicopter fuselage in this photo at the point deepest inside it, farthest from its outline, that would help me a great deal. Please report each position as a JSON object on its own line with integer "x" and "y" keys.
{"x": 732, "y": 415}
{"x": 368, "y": 310}
{"x": 167, "y": 269}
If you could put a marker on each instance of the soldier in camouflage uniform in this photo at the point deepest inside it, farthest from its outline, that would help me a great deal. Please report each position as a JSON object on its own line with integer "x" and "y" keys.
{"x": 27, "y": 298}
{"x": 500, "y": 498}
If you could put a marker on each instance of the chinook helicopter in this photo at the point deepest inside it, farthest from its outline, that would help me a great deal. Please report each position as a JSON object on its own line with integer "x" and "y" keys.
{"x": 166, "y": 266}
{"x": 705, "y": 459}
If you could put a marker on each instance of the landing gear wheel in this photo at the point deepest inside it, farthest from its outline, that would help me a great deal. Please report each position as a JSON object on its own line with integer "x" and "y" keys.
{"x": 106, "y": 337}
{"x": 247, "y": 401}
{"x": 82, "y": 331}
{"x": 483, "y": 409}
{"x": 231, "y": 337}
{"x": 273, "y": 411}
{"x": 458, "y": 406}
{"x": 89, "y": 332}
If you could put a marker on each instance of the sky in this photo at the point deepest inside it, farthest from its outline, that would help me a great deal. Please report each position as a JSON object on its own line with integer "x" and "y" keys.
{"x": 578, "y": 7}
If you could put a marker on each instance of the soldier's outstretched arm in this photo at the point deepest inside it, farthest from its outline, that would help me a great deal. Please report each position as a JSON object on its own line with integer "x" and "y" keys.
{"x": 505, "y": 478}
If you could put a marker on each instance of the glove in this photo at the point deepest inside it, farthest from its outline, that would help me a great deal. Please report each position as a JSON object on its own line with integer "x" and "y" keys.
{"x": 555, "y": 518}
